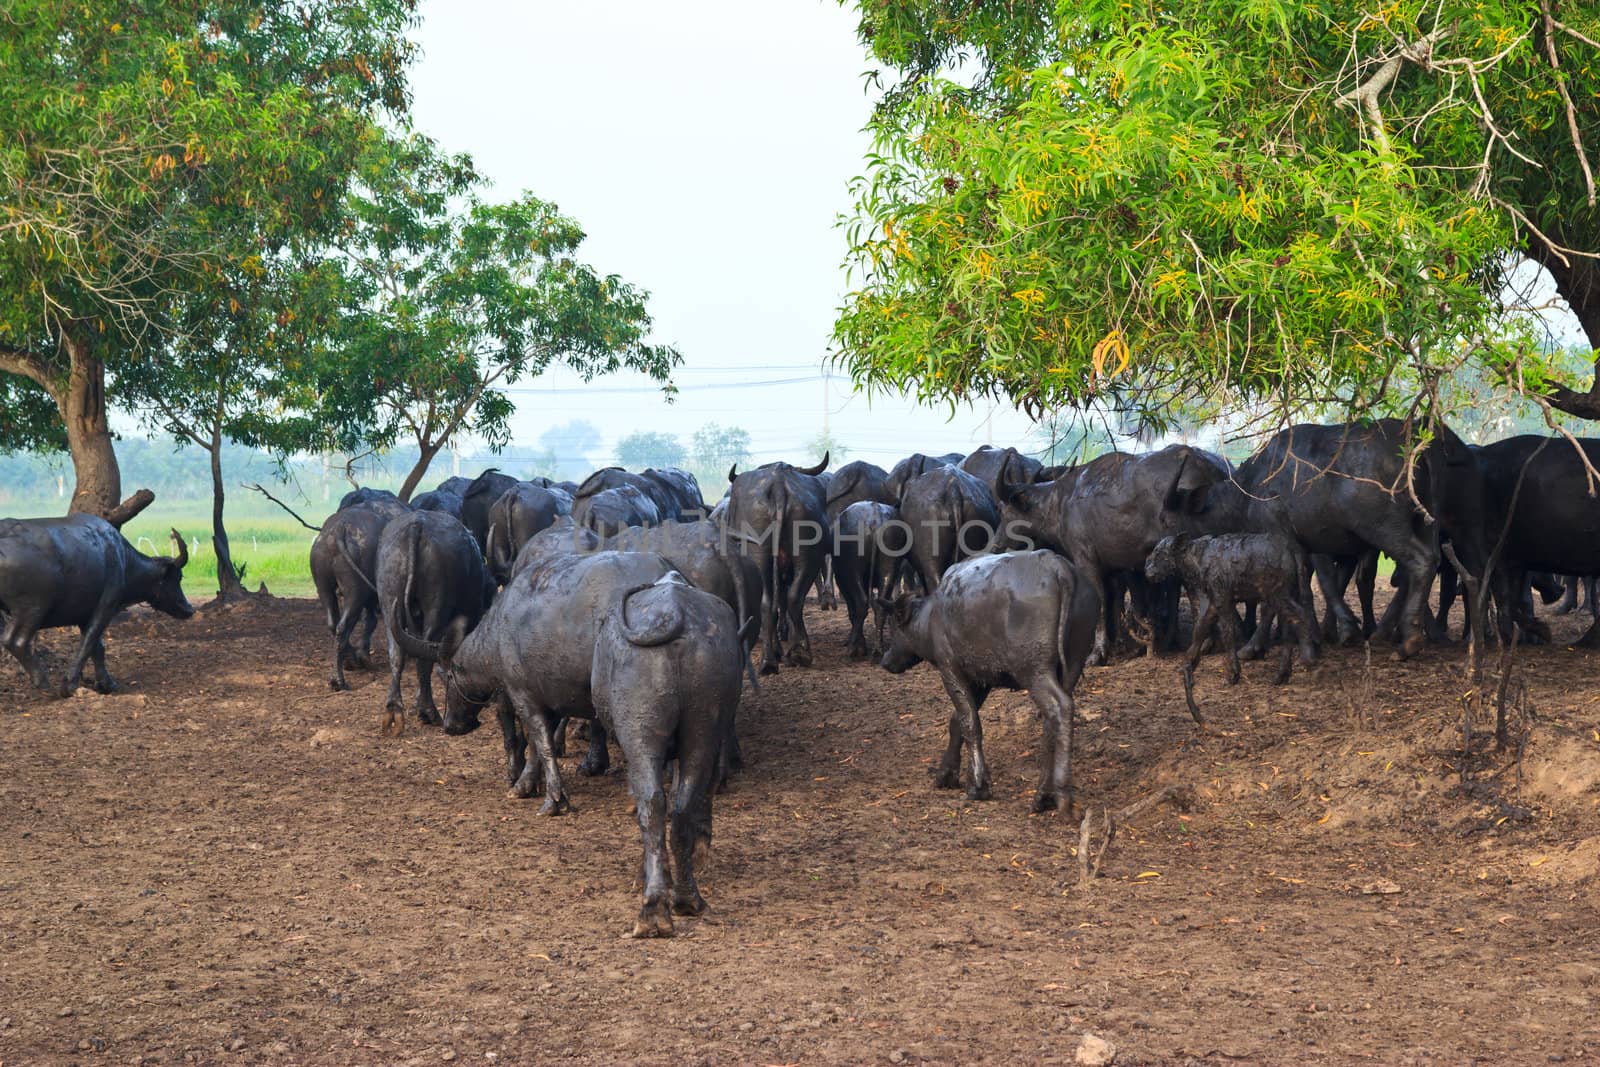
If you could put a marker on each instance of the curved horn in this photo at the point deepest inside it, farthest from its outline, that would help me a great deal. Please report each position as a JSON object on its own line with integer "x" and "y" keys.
{"x": 182, "y": 558}
{"x": 815, "y": 470}
{"x": 733, "y": 472}
{"x": 1170, "y": 502}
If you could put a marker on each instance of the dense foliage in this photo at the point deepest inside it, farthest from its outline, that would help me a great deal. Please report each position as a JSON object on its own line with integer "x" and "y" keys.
{"x": 1160, "y": 204}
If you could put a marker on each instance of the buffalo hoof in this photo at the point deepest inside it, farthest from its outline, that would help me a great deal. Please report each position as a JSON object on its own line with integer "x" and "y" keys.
{"x": 526, "y": 787}
{"x": 362, "y": 661}
{"x": 653, "y": 922}
{"x": 945, "y": 778}
{"x": 1252, "y": 652}
{"x": 857, "y": 652}
{"x": 769, "y": 667}
{"x": 555, "y": 805}
{"x": 690, "y": 904}
{"x": 593, "y": 768}
{"x": 980, "y": 791}
{"x": 1096, "y": 658}
{"x": 429, "y": 717}
{"x": 798, "y": 657}
{"x": 106, "y": 686}
{"x": 338, "y": 685}
{"x": 1043, "y": 802}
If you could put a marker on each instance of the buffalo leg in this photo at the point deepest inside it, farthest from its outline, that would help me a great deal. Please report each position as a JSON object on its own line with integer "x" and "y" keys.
{"x": 103, "y": 682}
{"x": 691, "y": 824}
{"x": 427, "y": 711}
{"x": 598, "y": 759}
{"x": 536, "y": 728}
{"x": 770, "y": 608}
{"x": 650, "y": 801}
{"x": 516, "y": 743}
{"x": 968, "y": 702}
{"x": 1205, "y": 621}
{"x": 394, "y": 711}
{"x": 92, "y": 634}
{"x": 853, "y": 588}
{"x": 1055, "y": 753}
{"x": 18, "y": 640}
{"x": 1420, "y": 561}
{"x": 1228, "y": 624}
{"x": 799, "y": 653}
{"x": 1099, "y": 655}
{"x": 948, "y": 774}
{"x": 1333, "y": 577}
{"x": 363, "y": 652}
{"x": 343, "y": 627}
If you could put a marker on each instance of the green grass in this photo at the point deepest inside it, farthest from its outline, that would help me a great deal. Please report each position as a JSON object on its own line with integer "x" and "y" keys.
{"x": 272, "y": 547}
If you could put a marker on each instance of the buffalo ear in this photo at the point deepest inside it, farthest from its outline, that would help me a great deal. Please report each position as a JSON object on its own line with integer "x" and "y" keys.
{"x": 1197, "y": 498}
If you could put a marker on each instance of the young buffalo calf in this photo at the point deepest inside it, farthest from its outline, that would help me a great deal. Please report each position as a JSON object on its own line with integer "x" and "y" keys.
{"x": 1227, "y": 569}
{"x": 1024, "y": 620}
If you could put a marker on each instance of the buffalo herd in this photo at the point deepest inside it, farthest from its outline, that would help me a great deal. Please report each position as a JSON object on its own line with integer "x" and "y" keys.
{"x": 630, "y": 603}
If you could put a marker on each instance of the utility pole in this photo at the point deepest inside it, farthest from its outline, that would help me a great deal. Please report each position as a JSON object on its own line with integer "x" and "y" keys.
{"x": 827, "y": 401}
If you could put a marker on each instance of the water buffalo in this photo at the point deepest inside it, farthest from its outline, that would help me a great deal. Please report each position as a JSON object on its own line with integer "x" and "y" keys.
{"x": 344, "y": 567}
{"x": 913, "y": 466}
{"x": 1219, "y": 571}
{"x": 665, "y": 683}
{"x": 868, "y": 546}
{"x": 430, "y": 572}
{"x": 1116, "y": 507}
{"x": 439, "y": 500}
{"x": 478, "y": 497}
{"x": 857, "y": 481}
{"x": 78, "y": 571}
{"x": 996, "y": 466}
{"x": 673, "y": 493}
{"x": 532, "y": 653}
{"x": 1554, "y": 525}
{"x": 1023, "y": 620}
{"x": 951, "y": 516}
{"x": 777, "y": 515}
{"x": 609, "y": 511}
{"x": 363, "y": 495}
{"x": 1346, "y": 490}
{"x": 522, "y": 511}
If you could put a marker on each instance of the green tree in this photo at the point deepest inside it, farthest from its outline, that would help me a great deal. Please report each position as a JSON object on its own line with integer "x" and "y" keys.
{"x": 643, "y": 448}
{"x": 1139, "y": 205}
{"x": 143, "y": 143}
{"x": 715, "y": 448}
{"x": 452, "y": 297}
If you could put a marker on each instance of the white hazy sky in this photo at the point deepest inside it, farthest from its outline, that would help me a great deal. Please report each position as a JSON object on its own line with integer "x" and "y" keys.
{"x": 706, "y": 149}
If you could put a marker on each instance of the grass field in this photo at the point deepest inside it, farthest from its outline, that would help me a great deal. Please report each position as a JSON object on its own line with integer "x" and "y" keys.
{"x": 273, "y": 548}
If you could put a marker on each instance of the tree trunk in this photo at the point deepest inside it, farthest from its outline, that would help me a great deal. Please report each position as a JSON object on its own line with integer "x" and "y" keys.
{"x": 94, "y": 460}
{"x": 1578, "y": 283}
{"x": 229, "y": 587}
{"x": 426, "y": 452}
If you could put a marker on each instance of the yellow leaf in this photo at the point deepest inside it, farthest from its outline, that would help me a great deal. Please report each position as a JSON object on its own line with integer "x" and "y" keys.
{"x": 1148, "y": 874}
{"x": 1537, "y": 862}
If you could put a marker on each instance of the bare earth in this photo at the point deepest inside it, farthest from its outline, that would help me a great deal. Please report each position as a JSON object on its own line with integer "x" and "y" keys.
{"x": 227, "y": 863}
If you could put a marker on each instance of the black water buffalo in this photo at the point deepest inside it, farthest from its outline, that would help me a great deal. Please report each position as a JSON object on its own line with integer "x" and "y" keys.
{"x": 1034, "y": 514}
{"x": 78, "y": 571}
{"x": 1346, "y": 490}
{"x": 610, "y": 511}
{"x": 1219, "y": 571}
{"x": 1120, "y": 504}
{"x": 363, "y": 495}
{"x": 673, "y": 493}
{"x": 522, "y": 511}
{"x": 777, "y": 515}
{"x": 913, "y": 466}
{"x": 868, "y": 546}
{"x": 430, "y": 572}
{"x": 533, "y": 654}
{"x": 857, "y": 481}
{"x": 665, "y": 683}
{"x": 1554, "y": 525}
{"x": 344, "y": 568}
{"x": 697, "y": 551}
{"x": 1023, "y": 620}
{"x": 478, "y": 497}
{"x": 679, "y": 492}
{"x": 443, "y": 500}
{"x": 952, "y": 517}
{"x": 996, "y": 466}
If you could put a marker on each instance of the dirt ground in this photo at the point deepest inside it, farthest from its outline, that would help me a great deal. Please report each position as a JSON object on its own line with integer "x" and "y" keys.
{"x": 227, "y": 863}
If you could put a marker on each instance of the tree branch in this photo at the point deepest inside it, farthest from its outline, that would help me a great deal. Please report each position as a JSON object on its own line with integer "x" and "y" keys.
{"x": 1365, "y": 95}
{"x": 29, "y": 365}
{"x": 1561, "y": 83}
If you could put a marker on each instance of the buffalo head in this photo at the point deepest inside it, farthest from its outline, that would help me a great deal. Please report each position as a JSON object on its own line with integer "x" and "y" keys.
{"x": 167, "y": 596}
{"x": 899, "y": 648}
